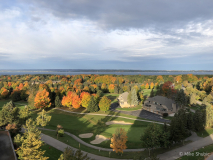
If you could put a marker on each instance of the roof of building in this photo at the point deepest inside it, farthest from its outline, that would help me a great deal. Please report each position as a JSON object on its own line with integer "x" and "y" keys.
{"x": 123, "y": 96}
{"x": 161, "y": 100}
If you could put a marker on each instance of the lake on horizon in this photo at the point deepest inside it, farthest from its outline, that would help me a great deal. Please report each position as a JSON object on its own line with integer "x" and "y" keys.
{"x": 116, "y": 73}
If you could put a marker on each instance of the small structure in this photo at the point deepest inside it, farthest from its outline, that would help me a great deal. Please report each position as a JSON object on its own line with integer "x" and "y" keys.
{"x": 160, "y": 105}
{"x": 122, "y": 100}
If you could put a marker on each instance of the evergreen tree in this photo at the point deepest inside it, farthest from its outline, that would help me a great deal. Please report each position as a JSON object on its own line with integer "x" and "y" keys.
{"x": 93, "y": 105}
{"x": 208, "y": 115}
{"x": 129, "y": 98}
{"x": 120, "y": 91}
{"x": 152, "y": 94}
{"x": 9, "y": 114}
{"x": 151, "y": 137}
{"x": 43, "y": 118}
{"x": 30, "y": 143}
{"x": 134, "y": 97}
{"x": 70, "y": 154}
{"x": 190, "y": 122}
{"x": 116, "y": 89}
{"x": 57, "y": 102}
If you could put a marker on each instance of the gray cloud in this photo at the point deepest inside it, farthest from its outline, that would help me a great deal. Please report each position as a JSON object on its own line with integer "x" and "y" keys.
{"x": 125, "y": 14}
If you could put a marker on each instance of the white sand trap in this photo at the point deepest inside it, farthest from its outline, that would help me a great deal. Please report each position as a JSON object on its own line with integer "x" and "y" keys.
{"x": 172, "y": 114}
{"x": 86, "y": 135}
{"x": 99, "y": 139}
{"x": 118, "y": 122}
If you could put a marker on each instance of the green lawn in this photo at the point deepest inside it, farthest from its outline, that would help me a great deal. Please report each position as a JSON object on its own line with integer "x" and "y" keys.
{"x": 126, "y": 155}
{"x": 79, "y": 124}
{"x": 197, "y": 155}
{"x": 146, "y": 92}
{"x": 20, "y": 104}
{"x": 130, "y": 109}
{"x": 205, "y": 132}
{"x": 112, "y": 96}
{"x": 51, "y": 152}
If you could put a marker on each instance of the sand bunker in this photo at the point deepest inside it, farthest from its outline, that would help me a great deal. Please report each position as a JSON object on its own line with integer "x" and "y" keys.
{"x": 172, "y": 114}
{"x": 99, "y": 139}
{"x": 86, "y": 135}
{"x": 118, "y": 122}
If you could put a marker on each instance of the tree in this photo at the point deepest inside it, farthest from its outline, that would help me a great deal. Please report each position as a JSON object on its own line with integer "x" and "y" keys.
{"x": 116, "y": 89}
{"x": 70, "y": 154}
{"x": 152, "y": 94}
{"x": 43, "y": 118}
{"x": 76, "y": 102}
{"x": 151, "y": 137}
{"x": 104, "y": 104}
{"x": 93, "y": 105}
{"x": 134, "y": 97}
{"x": 129, "y": 98}
{"x": 181, "y": 98}
{"x": 192, "y": 99}
{"x": 118, "y": 140}
{"x": 9, "y": 114}
{"x": 152, "y": 85}
{"x": 16, "y": 96}
{"x": 85, "y": 98}
{"x": 57, "y": 102}
{"x": 42, "y": 99}
{"x": 24, "y": 114}
{"x": 30, "y": 143}
{"x": 147, "y": 86}
{"x": 67, "y": 100}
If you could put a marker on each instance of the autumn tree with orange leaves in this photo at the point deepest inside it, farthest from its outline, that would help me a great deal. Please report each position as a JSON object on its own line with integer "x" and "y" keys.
{"x": 42, "y": 99}
{"x": 118, "y": 140}
{"x": 147, "y": 86}
{"x": 67, "y": 100}
{"x": 76, "y": 102}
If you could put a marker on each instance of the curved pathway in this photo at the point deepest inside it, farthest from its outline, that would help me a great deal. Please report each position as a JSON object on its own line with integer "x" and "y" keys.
{"x": 92, "y": 146}
{"x": 110, "y": 116}
{"x": 61, "y": 146}
{"x": 179, "y": 152}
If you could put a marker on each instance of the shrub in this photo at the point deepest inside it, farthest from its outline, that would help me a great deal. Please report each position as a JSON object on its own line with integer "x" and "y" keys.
{"x": 165, "y": 115}
{"x": 61, "y": 132}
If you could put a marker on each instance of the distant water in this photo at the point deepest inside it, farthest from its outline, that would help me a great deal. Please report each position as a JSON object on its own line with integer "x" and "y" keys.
{"x": 116, "y": 73}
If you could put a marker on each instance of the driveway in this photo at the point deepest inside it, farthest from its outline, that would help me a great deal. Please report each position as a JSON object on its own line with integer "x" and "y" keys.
{"x": 140, "y": 113}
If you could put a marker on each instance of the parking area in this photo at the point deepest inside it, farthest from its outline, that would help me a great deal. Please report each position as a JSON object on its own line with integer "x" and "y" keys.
{"x": 140, "y": 113}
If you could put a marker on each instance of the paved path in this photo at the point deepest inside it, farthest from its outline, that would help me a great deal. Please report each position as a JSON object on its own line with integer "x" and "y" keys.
{"x": 176, "y": 153}
{"x": 92, "y": 146}
{"x": 110, "y": 116}
{"x": 61, "y": 146}
{"x": 193, "y": 137}
{"x": 140, "y": 113}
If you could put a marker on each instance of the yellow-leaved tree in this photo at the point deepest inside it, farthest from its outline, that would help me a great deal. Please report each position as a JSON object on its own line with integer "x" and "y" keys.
{"x": 118, "y": 140}
{"x": 30, "y": 143}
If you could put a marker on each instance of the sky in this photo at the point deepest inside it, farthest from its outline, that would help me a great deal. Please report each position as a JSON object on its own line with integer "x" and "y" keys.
{"x": 106, "y": 34}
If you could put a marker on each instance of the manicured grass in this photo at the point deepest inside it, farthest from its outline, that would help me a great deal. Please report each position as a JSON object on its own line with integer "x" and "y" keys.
{"x": 146, "y": 92}
{"x": 126, "y": 155}
{"x": 20, "y": 104}
{"x": 70, "y": 141}
{"x": 205, "y": 132}
{"x": 51, "y": 152}
{"x": 197, "y": 155}
{"x": 79, "y": 124}
{"x": 169, "y": 118}
{"x": 130, "y": 109}
{"x": 112, "y": 96}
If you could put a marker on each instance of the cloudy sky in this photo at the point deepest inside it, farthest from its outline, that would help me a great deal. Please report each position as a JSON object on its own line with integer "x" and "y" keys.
{"x": 106, "y": 34}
